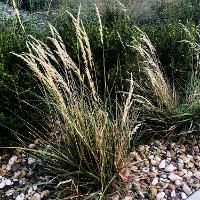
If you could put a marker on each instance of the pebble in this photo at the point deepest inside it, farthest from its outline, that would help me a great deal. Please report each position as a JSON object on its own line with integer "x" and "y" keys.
{"x": 197, "y": 174}
{"x": 160, "y": 195}
{"x": 190, "y": 165}
{"x": 154, "y": 162}
{"x": 128, "y": 198}
{"x": 23, "y": 173}
{"x": 180, "y": 166}
{"x": 8, "y": 182}
{"x": 173, "y": 177}
{"x": 11, "y": 162}
{"x": 37, "y": 196}
{"x": 16, "y": 174}
{"x": 196, "y": 186}
{"x": 155, "y": 181}
{"x": 162, "y": 164}
{"x": 151, "y": 157}
{"x": 183, "y": 195}
{"x": 20, "y": 197}
{"x": 178, "y": 182}
{"x": 173, "y": 193}
{"x": 2, "y": 184}
{"x": 169, "y": 168}
{"x": 3, "y": 167}
{"x": 153, "y": 191}
{"x": 186, "y": 190}
{"x": 30, "y": 191}
{"x": 171, "y": 187}
{"x": 181, "y": 173}
{"x": 157, "y": 158}
{"x": 31, "y": 160}
{"x": 163, "y": 176}
{"x": 33, "y": 198}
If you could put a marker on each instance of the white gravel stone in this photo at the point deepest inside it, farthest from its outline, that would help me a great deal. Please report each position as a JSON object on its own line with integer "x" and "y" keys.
{"x": 183, "y": 195}
{"x": 187, "y": 190}
{"x": 151, "y": 157}
{"x": 31, "y": 160}
{"x": 164, "y": 180}
{"x": 20, "y": 197}
{"x": 170, "y": 168}
{"x": 163, "y": 176}
{"x": 2, "y": 183}
{"x": 173, "y": 193}
{"x": 37, "y": 196}
{"x": 155, "y": 181}
{"x": 145, "y": 170}
{"x": 180, "y": 161}
{"x": 190, "y": 157}
{"x": 160, "y": 195}
{"x": 168, "y": 154}
{"x": 178, "y": 182}
{"x": 11, "y": 162}
{"x": 30, "y": 191}
{"x": 157, "y": 158}
{"x": 185, "y": 171}
{"x": 162, "y": 164}
{"x": 153, "y": 169}
{"x": 197, "y": 174}
{"x": 8, "y": 182}
{"x": 173, "y": 177}
{"x": 190, "y": 173}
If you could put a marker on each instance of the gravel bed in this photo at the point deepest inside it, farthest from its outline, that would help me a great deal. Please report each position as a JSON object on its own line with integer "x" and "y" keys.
{"x": 154, "y": 171}
{"x": 18, "y": 176}
{"x": 163, "y": 172}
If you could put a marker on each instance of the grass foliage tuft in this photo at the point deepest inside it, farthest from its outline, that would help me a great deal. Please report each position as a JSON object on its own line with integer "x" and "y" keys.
{"x": 90, "y": 145}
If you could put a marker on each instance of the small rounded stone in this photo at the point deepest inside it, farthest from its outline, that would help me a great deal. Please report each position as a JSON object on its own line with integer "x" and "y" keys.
{"x": 169, "y": 168}
{"x": 160, "y": 195}
{"x": 23, "y": 173}
{"x": 171, "y": 187}
{"x": 180, "y": 166}
{"x": 153, "y": 191}
{"x": 178, "y": 182}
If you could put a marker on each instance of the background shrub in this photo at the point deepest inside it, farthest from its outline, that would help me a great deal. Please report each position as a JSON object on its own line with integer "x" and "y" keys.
{"x": 36, "y": 5}
{"x": 17, "y": 87}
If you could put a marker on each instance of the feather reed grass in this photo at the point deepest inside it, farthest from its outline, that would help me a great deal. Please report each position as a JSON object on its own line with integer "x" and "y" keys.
{"x": 90, "y": 146}
{"x": 162, "y": 113}
{"x": 152, "y": 67}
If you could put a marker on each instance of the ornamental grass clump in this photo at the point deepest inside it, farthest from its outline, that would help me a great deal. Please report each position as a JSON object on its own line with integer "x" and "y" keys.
{"x": 163, "y": 112}
{"x": 89, "y": 145}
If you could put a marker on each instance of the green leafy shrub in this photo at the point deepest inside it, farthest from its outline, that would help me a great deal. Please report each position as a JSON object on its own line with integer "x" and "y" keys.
{"x": 16, "y": 83}
{"x": 175, "y": 55}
